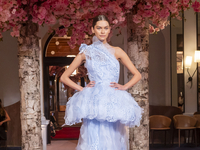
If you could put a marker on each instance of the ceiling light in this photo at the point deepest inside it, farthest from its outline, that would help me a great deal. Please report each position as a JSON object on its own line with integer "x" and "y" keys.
{"x": 52, "y": 52}
{"x": 71, "y": 55}
{"x": 57, "y": 43}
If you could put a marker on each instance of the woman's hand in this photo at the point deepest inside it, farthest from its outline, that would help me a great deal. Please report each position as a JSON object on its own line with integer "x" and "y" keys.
{"x": 117, "y": 86}
{"x": 91, "y": 84}
{"x": 1, "y": 123}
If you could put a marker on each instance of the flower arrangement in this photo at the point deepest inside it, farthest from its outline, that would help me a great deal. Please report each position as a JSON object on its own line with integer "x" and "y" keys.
{"x": 79, "y": 14}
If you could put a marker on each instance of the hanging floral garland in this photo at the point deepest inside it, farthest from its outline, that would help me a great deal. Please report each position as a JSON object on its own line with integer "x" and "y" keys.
{"x": 79, "y": 14}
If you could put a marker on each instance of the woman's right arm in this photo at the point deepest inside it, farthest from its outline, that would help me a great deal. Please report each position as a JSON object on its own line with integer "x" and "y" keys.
{"x": 75, "y": 64}
{"x": 7, "y": 118}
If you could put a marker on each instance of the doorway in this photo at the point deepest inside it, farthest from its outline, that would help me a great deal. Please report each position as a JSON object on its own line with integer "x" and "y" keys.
{"x": 56, "y": 58}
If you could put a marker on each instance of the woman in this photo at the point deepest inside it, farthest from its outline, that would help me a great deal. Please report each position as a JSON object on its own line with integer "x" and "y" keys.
{"x": 104, "y": 105}
{"x": 3, "y": 119}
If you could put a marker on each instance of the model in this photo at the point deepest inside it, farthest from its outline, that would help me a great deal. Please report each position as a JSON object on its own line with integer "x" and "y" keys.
{"x": 105, "y": 106}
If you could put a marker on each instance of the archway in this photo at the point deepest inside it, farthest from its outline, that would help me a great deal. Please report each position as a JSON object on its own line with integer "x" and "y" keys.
{"x": 58, "y": 55}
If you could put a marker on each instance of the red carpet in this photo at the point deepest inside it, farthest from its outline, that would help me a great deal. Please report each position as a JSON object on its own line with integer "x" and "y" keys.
{"x": 67, "y": 133}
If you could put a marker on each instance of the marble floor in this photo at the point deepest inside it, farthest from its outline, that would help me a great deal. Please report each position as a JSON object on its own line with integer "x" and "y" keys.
{"x": 62, "y": 145}
{"x": 71, "y": 144}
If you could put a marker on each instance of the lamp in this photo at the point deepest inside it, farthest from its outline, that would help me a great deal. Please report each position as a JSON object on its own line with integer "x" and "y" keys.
{"x": 197, "y": 56}
{"x": 188, "y": 63}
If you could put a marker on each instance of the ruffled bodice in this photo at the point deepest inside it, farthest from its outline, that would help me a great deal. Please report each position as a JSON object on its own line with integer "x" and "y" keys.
{"x": 101, "y": 63}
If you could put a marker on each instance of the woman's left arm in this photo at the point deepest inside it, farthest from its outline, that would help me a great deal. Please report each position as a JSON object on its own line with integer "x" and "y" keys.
{"x": 7, "y": 118}
{"x": 125, "y": 60}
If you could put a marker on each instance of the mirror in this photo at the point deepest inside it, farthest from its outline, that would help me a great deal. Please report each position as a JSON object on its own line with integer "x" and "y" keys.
{"x": 177, "y": 65}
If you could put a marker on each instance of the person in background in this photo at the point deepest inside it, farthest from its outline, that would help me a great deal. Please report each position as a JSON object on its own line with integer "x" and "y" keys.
{"x": 4, "y": 118}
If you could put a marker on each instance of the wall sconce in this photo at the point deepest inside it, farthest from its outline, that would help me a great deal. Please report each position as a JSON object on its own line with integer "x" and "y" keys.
{"x": 188, "y": 63}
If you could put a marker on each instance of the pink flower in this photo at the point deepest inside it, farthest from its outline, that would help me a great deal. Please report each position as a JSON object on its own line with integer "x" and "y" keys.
{"x": 115, "y": 7}
{"x": 151, "y": 29}
{"x": 196, "y": 6}
{"x": 42, "y": 13}
{"x": 5, "y": 14}
{"x": 60, "y": 32}
{"x": 164, "y": 13}
{"x": 147, "y": 13}
{"x": 185, "y": 2}
{"x": 64, "y": 22}
{"x": 137, "y": 18}
{"x": 121, "y": 19}
{"x": 119, "y": 1}
{"x": 157, "y": 29}
{"x": 15, "y": 33}
{"x": 13, "y": 11}
{"x": 156, "y": 7}
{"x": 166, "y": 2}
{"x": 50, "y": 19}
{"x": 148, "y": 6}
{"x": 24, "y": 2}
{"x": 161, "y": 26}
{"x": 130, "y": 3}
{"x": 115, "y": 21}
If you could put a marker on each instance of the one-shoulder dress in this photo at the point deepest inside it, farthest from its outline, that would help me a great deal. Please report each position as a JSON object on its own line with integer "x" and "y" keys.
{"x": 105, "y": 111}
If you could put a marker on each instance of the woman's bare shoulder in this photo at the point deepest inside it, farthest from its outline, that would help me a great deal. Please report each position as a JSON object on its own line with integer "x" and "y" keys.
{"x": 118, "y": 51}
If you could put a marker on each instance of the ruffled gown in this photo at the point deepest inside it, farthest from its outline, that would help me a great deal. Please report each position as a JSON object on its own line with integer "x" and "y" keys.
{"x": 105, "y": 111}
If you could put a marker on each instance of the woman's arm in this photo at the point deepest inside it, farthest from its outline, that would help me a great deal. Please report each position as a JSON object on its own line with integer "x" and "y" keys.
{"x": 7, "y": 118}
{"x": 75, "y": 64}
{"x": 125, "y": 60}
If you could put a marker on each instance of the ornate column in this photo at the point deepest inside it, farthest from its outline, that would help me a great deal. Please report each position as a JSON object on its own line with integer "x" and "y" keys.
{"x": 44, "y": 122}
{"x": 29, "y": 74}
{"x": 138, "y": 51}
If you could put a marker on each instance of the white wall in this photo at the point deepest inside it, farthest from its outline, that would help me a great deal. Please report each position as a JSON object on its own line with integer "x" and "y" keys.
{"x": 9, "y": 80}
{"x": 189, "y": 49}
{"x": 159, "y": 68}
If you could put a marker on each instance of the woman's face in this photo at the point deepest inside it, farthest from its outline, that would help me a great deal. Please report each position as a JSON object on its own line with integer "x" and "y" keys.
{"x": 101, "y": 30}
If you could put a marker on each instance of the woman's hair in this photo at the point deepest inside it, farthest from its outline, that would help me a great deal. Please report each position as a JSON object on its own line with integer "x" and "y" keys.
{"x": 99, "y": 18}
{"x": 2, "y": 112}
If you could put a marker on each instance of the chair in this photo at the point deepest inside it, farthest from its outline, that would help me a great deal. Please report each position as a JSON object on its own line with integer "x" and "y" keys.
{"x": 197, "y": 113}
{"x": 197, "y": 116}
{"x": 183, "y": 122}
{"x": 159, "y": 123}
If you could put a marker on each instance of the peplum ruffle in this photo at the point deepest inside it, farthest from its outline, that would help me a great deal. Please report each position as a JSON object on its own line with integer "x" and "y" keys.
{"x": 103, "y": 102}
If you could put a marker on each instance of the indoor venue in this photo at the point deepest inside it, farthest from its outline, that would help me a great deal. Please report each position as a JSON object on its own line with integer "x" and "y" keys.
{"x": 168, "y": 92}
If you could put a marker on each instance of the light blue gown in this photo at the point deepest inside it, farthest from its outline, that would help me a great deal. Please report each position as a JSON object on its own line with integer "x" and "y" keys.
{"x": 105, "y": 111}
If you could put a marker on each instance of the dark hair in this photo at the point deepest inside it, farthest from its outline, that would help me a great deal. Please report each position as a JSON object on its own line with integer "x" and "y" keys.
{"x": 99, "y": 18}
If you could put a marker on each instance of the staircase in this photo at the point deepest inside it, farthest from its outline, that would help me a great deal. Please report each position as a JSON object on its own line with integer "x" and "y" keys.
{"x": 61, "y": 120}
{"x": 61, "y": 115}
